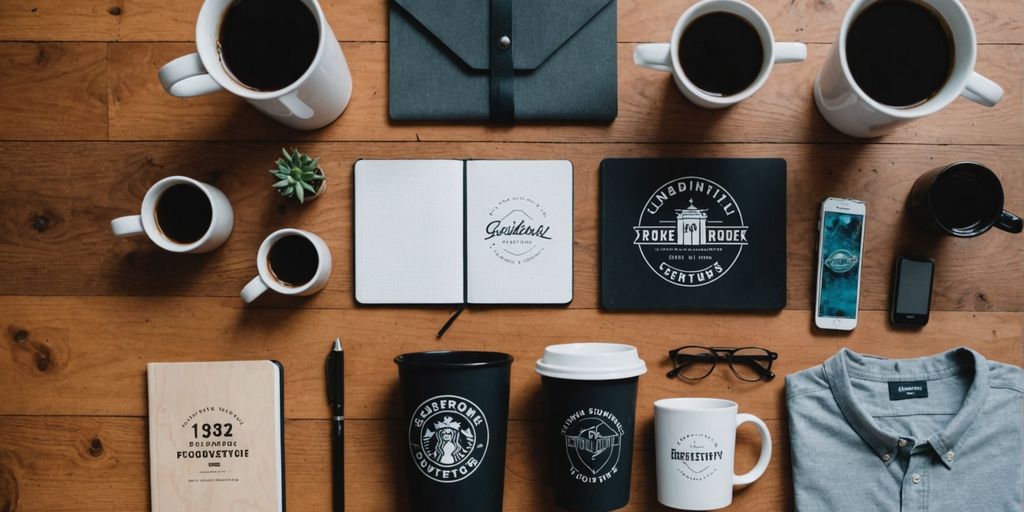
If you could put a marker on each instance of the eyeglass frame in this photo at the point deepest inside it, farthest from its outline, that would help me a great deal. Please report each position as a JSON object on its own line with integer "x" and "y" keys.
{"x": 729, "y": 356}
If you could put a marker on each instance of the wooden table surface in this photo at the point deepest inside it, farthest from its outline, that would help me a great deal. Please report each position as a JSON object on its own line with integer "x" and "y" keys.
{"x": 85, "y": 128}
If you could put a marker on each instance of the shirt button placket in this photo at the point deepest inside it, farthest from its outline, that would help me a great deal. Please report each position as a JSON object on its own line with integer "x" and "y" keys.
{"x": 915, "y": 490}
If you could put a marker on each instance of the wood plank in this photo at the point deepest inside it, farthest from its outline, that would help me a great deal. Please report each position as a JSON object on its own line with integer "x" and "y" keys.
{"x": 53, "y": 91}
{"x": 87, "y": 356}
{"x": 651, "y": 109}
{"x": 366, "y": 20}
{"x": 40, "y": 225}
{"x": 103, "y": 463}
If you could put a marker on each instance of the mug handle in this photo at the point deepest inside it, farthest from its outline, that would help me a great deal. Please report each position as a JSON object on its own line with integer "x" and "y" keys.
{"x": 790, "y": 52}
{"x": 127, "y": 226}
{"x": 254, "y": 289}
{"x": 653, "y": 55}
{"x": 1009, "y": 222}
{"x": 766, "y": 451}
{"x": 982, "y": 91}
{"x": 186, "y": 76}
{"x": 297, "y": 107}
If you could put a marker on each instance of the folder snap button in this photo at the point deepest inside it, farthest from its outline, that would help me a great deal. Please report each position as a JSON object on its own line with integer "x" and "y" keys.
{"x": 504, "y": 42}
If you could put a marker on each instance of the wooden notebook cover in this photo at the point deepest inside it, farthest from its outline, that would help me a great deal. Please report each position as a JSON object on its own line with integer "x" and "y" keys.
{"x": 215, "y": 436}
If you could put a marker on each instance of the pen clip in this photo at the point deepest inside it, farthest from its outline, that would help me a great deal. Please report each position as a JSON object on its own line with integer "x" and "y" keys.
{"x": 332, "y": 375}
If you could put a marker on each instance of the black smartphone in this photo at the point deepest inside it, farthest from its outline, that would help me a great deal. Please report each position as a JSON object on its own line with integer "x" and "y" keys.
{"x": 912, "y": 291}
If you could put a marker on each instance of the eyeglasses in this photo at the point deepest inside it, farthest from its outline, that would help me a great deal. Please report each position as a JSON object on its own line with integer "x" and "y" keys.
{"x": 749, "y": 364}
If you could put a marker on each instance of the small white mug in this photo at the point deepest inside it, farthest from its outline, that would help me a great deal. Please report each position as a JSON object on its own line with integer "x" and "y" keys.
{"x": 222, "y": 218}
{"x": 313, "y": 101}
{"x": 665, "y": 56}
{"x": 847, "y": 108}
{"x": 695, "y": 445}
{"x": 266, "y": 280}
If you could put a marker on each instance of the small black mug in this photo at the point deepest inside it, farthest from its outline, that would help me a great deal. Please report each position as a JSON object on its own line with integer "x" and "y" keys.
{"x": 963, "y": 199}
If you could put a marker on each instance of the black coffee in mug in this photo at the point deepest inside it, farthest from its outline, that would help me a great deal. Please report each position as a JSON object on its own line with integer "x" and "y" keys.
{"x": 184, "y": 213}
{"x": 721, "y": 53}
{"x": 268, "y": 44}
{"x": 964, "y": 199}
{"x": 900, "y": 52}
{"x": 294, "y": 260}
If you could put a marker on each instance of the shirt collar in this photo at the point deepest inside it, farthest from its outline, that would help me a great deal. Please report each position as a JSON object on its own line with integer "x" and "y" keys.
{"x": 846, "y": 364}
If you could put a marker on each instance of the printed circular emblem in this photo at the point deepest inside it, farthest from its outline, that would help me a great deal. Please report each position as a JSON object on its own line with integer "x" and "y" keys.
{"x": 690, "y": 232}
{"x": 517, "y": 231}
{"x": 841, "y": 261}
{"x": 593, "y": 444}
{"x": 448, "y": 438}
{"x": 697, "y": 456}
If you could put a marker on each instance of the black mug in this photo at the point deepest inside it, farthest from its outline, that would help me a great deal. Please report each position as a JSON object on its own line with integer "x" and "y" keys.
{"x": 589, "y": 411}
{"x": 455, "y": 417}
{"x": 964, "y": 199}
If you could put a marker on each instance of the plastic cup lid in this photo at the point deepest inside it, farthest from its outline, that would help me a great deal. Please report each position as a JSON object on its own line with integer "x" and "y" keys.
{"x": 591, "y": 361}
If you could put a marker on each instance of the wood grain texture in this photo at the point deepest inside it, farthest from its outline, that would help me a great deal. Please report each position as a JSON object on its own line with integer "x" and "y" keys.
{"x": 53, "y": 91}
{"x": 104, "y": 463}
{"x": 817, "y": 21}
{"x": 81, "y": 313}
{"x": 87, "y": 356}
{"x": 41, "y": 222}
{"x": 651, "y": 109}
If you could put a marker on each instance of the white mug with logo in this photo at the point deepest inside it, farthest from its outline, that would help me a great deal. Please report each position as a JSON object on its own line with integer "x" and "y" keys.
{"x": 221, "y": 218}
{"x": 313, "y": 101}
{"x": 665, "y": 56}
{"x": 846, "y": 106}
{"x": 695, "y": 444}
{"x": 267, "y": 279}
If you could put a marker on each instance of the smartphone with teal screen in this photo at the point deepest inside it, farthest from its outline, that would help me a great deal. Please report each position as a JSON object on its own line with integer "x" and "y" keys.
{"x": 840, "y": 254}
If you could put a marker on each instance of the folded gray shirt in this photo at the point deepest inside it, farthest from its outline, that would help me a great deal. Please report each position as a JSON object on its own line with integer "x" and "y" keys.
{"x": 939, "y": 433}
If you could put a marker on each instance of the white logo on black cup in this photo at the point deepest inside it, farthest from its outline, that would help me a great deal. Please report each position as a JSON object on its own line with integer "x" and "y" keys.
{"x": 517, "y": 230}
{"x": 448, "y": 438}
{"x": 690, "y": 232}
{"x": 697, "y": 456}
{"x": 593, "y": 444}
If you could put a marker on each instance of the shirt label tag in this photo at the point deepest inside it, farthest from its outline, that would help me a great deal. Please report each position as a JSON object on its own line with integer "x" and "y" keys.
{"x": 905, "y": 390}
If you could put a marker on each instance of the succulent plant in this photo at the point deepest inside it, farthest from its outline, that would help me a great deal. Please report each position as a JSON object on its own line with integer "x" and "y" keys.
{"x": 296, "y": 175}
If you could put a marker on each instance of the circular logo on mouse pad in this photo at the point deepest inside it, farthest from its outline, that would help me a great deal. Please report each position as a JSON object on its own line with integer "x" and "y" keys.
{"x": 690, "y": 232}
{"x": 448, "y": 438}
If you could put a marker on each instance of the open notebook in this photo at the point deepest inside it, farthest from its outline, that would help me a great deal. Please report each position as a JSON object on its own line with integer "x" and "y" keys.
{"x": 463, "y": 232}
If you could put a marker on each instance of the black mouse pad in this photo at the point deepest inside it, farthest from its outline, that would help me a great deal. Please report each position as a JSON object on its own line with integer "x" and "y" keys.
{"x": 693, "y": 233}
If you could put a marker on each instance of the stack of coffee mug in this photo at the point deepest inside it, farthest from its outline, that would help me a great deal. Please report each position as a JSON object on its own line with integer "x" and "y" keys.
{"x": 455, "y": 413}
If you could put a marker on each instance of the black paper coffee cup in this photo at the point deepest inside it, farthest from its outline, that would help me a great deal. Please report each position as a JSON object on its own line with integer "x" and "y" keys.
{"x": 455, "y": 419}
{"x": 590, "y": 410}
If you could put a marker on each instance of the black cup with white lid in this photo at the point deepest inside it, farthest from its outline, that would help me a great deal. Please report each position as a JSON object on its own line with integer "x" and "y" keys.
{"x": 590, "y": 409}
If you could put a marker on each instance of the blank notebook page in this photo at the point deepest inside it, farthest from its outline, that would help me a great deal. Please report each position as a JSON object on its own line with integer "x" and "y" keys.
{"x": 408, "y": 232}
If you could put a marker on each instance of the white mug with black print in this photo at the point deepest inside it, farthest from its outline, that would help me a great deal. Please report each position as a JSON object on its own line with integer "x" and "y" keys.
{"x": 695, "y": 445}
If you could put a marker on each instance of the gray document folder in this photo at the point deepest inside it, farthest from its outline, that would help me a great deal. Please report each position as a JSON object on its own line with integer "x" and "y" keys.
{"x": 502, "y": 60}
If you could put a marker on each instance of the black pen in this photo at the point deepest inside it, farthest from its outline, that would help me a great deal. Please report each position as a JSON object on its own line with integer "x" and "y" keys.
{"x": 336, "y": 399}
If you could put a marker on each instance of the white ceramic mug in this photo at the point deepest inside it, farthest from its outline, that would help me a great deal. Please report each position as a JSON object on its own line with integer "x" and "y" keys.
{"x": 847, "y": 108}
{"x": 665, "y": 56}
{"x": 221, "y": 222}
{"x": 313, "y": 101}
{"x": 695, "y": 445}
{"x": 266, "y": 279}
